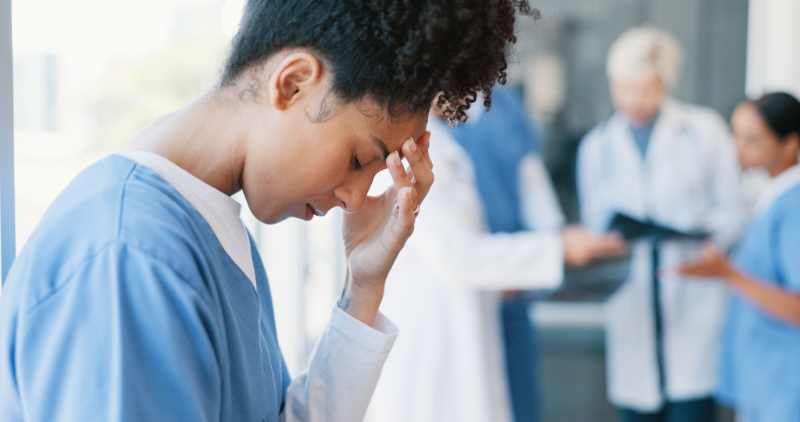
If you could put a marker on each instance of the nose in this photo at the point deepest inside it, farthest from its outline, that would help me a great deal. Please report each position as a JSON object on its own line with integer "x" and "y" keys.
{"x": 353, "y": 193}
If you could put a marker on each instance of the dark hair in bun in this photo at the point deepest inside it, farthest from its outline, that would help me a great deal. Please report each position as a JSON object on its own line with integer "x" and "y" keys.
{"x": 781, "y": 112}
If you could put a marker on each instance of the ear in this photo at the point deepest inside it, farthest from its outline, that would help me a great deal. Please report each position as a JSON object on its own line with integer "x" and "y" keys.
{"x": 297, "y": 75}
{"x": 792, "y": 144}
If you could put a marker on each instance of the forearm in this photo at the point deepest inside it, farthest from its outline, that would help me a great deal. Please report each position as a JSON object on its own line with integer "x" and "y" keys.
{"x": 773, "y": 300}
{"x": 343, "y": 371}
{"x": 516, "y": 261}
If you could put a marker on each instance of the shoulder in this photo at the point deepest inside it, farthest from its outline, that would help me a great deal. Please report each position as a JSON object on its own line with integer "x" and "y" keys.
{"x": 597, "y": 138}
{"x": 699, "y": 117}
{"x": 787, "y": 204}
{"x": 602, "y": 131}
{"x": 157, "y": 219}
{"x": 112, "y": 207}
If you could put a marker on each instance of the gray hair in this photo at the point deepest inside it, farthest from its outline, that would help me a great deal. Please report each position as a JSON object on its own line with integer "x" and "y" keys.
{"x": 643, "y": 52}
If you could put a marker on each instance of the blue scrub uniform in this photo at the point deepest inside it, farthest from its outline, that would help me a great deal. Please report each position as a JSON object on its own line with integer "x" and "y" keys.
{"x": 760, "y": 373}
{"x": 497, "y": 143}
{"x": 123, "y": 306}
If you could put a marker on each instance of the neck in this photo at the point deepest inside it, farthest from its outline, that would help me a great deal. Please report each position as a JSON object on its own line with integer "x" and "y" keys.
{"x": 205, "y": 138}
{"x": 646, "y": 124}
{"x": 779, "y": 168}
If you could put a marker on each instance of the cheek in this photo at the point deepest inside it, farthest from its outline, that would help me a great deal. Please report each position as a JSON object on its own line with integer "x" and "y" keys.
{"x": 746, "y": 159}
{"x": 752, "y": 155}
{"x": 326, "y": 173}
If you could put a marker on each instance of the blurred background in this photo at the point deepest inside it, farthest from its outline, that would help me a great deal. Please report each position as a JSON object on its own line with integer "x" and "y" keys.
{"x": 89, "y": 74}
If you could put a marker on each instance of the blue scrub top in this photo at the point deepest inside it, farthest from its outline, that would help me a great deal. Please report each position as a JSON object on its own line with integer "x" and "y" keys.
{"x": 123, "y": 306}
{"x": 497, "y": 142}
{"x": 760, "y": 372}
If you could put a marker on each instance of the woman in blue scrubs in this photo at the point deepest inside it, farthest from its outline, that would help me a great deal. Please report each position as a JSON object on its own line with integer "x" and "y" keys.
{"x": 760, "y": 374}
{"x": 140, "y": 296}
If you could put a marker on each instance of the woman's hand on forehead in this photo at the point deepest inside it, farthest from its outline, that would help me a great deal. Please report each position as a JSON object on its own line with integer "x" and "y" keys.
{"x": 375, "y": 234}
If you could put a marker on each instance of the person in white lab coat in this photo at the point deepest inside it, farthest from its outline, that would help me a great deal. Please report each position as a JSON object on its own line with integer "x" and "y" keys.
{"x": 660, "y": 160}
{"x": 449, "y": 363}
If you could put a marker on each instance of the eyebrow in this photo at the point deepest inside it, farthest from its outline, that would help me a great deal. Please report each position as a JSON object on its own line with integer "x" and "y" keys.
{"x": 378, "y": 143}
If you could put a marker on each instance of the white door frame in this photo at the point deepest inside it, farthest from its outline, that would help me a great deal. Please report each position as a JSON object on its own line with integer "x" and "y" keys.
{"x": 773, "y": 47}
{"x": 8, "y": 249}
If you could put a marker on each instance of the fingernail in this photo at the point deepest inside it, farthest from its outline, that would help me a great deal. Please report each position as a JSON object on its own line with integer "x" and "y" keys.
{"x": 413, "y": 145}
{"x": 397, "y": 158}
{"x": 408, "y": 193}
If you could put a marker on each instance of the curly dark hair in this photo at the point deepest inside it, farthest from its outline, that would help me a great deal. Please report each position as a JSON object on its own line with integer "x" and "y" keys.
{"x": 400, "y": 53}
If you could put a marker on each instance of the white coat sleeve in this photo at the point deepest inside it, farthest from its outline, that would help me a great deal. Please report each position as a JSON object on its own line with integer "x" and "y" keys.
{"x": 540, "y": 208}
{"x": 342, "y": 373}
{"x": 594, "y": 194}
{"x": 451, "y": 235}
{"x": 728, "y": 215}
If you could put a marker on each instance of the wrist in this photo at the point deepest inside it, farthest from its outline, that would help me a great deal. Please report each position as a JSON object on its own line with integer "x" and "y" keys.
{"x": 733, "y": 277}
{"x": 361, "y": 300}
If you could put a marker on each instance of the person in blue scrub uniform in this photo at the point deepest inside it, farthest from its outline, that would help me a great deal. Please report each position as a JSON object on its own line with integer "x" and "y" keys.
{"x": 761, "y": 353}
{"x": 140, "y": 296}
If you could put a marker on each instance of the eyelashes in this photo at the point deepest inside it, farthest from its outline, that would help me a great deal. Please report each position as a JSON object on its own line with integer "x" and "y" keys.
{"x": 354, "y": 163}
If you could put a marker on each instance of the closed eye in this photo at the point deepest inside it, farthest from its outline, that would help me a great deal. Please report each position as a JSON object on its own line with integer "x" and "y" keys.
{"x": 355, "y": 163}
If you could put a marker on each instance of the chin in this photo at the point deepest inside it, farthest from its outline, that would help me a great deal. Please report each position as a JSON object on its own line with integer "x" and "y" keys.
{"x": 268, "y": 218}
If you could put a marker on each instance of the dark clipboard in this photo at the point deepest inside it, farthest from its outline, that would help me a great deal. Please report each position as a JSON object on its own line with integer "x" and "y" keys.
{"x": 601, "y": 278}
{"x": 632, "y": 229}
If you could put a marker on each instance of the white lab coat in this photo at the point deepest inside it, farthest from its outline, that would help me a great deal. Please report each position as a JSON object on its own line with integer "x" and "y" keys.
{"x": 689, "y": 180}
{"x": 444, "y": 295}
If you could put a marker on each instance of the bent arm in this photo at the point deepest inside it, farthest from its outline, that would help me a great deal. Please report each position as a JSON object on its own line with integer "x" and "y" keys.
{"x": 781, "y": 299}
{"x": 452, "y": 237}
{"x": 521, "y": 261}
{"x": 774, "y": 300}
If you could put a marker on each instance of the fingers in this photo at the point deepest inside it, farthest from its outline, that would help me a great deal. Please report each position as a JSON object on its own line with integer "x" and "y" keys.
{"x": 697, "y": 269}
{"x": 421, "y": 169}
{"x": 424, "y": 143}
{"x": 687, "y": 269}
{"x": 710, "y": 251}
{"x": 405, "y": 207}
{"x": 401, "y": 223}
{"x": 581, "y": 247}
{"x": 401, "y": 178}
{"x": 399, "y": 175}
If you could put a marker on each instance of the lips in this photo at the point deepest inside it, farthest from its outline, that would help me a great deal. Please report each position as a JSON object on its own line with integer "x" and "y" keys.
{"x": 315, "y": 211}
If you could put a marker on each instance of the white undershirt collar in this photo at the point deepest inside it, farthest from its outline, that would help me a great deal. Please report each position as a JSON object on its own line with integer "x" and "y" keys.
{"x": 776, "y": 187}
{"x": 218, "y": 209}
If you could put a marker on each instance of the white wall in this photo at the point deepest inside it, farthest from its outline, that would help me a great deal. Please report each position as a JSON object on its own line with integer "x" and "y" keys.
{"x": 773, "y": 56}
